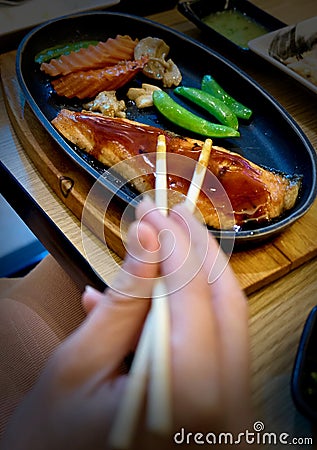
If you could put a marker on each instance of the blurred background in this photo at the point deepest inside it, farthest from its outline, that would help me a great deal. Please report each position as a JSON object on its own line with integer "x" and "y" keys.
{"x": 20, "y": 250}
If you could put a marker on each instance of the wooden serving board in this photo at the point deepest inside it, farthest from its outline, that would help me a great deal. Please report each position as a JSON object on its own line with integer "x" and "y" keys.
{"x": 254, "y": 267}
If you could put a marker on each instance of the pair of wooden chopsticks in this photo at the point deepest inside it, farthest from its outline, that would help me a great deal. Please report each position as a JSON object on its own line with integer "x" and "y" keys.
{"x": 151, "y": 365}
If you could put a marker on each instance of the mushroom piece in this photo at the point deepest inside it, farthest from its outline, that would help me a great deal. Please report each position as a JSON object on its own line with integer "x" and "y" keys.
{"x": 143, "y": 96}
{"x": 157, "y": 66}
{"x": 107, "y": 103}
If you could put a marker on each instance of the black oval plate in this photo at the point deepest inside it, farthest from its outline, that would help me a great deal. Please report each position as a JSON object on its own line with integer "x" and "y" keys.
{"x": 271, "y": 139}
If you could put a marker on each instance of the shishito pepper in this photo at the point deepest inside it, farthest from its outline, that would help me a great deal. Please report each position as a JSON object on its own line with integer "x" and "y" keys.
{"x": 210, "y": 85}
{"x": 213, "y": 105}
{"x": 186, "y": 119}
{"x": 59, "y": 50}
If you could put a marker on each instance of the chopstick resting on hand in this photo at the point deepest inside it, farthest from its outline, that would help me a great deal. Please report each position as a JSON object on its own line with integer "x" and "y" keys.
{"x": 153, "y": 354}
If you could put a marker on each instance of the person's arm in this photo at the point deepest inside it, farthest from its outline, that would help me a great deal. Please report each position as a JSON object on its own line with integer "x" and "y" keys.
{"x": 75, "y": 400}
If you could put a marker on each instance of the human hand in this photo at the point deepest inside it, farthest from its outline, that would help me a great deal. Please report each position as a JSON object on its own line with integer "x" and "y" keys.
{"x": 73, "y": 404}
{"x": 209, "y": 329}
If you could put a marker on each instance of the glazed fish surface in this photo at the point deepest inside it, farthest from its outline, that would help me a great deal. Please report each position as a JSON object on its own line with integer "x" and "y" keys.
{"x": 256, "y": 194}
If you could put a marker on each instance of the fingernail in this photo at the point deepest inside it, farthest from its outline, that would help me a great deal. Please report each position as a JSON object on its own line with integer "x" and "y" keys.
{"x": 91, "y": 290}
{"x": 147, "y": 199}
{"x": 146, "y": 204}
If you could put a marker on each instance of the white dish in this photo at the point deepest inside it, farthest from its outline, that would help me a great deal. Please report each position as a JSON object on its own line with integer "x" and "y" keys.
{"x": 261, "y": 46}
{"x": 34, "y": 12}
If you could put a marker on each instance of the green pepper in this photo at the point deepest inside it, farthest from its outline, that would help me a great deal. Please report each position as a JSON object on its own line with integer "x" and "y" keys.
{"x": 186, "y": 119}
{"x": 59, "y": 50}
{"x": 210, "y": 85}
{"x": 213, "y": 105}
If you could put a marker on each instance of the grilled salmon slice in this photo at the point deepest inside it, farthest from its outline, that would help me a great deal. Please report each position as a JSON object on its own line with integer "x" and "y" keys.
{"x": 107, "y": 53}
{"x": 256, "y": 194}
{"x": 89, "y": 83}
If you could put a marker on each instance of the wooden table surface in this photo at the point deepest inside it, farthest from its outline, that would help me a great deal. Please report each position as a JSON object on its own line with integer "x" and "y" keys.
{"x": 278, "y": 307}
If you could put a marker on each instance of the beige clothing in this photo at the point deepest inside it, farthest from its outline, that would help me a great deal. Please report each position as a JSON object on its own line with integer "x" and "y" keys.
{"x": 36, "y": 313}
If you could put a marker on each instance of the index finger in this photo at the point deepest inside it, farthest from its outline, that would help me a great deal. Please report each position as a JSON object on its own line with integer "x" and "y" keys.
{"x": 113, "y": 325}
